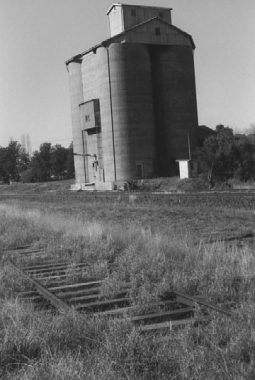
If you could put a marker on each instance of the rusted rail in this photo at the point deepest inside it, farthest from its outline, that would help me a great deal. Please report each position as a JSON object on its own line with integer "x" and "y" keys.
{"x": 54, "y": 300}
{"x": 175, "y": 310}
{"x": 188, "y": 300}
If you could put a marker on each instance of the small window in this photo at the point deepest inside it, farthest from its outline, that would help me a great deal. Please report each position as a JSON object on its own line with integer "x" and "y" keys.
{"x": 139, "y": 170}
{"x": 157, "y": 31}
{"x": 133, "y": 12}
{"x": 161, "y": 14}
{"x": 87, "y": 118}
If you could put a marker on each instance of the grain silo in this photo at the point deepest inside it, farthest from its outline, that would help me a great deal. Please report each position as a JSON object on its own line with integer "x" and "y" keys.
{"x": 133, "y": 99}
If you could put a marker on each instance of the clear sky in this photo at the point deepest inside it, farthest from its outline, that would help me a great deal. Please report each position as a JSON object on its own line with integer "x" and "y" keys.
{"x": 38, "y": 36}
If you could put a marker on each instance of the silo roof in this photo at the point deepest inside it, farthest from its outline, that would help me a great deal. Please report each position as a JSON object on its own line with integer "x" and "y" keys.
{"x": 135, "y": 6}
{"x": 111, "y": 39}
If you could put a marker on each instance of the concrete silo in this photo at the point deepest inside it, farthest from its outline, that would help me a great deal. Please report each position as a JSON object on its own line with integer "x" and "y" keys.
{"x": 133, "y": 99}
{"x": 123, "y": 92}
{"x": 95, "y": 113}
{"x": 175, "y": 105}
{"x": 76, "y": 97}
{"x": 133, "y": 115}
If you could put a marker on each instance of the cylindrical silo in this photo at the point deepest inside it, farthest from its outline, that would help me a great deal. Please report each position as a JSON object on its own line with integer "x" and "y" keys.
{"x": 132, "y": 108}
{"x": 175, "y": 104}
{"x": 95, "y": 76}
{"x": 76, "y": 96}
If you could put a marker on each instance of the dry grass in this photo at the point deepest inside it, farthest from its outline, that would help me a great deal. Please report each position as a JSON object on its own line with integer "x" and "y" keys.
{"x": 39, "y": 345}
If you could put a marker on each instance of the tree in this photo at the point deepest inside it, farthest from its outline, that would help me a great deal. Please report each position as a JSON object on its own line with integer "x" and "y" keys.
{"x": 245, "y": 157}
{"x": 41, "y": 163}
{"x": 70, "y": 162}
{"x": 226, "y": 155}
{"x": 51, "y": 162}
{"x": 4, "y": 165}
{"x": 217, "y": 157}
{"x": 58, "y": 161}
{"x": 13, "y": 160}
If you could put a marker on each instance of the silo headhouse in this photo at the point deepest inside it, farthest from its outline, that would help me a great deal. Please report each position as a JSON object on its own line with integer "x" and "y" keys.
{"x": 133, "y": 99}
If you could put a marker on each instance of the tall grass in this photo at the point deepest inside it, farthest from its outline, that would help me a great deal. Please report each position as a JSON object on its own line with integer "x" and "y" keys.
{"x": 38, "y": 345}
{"x": 42, "y": 346}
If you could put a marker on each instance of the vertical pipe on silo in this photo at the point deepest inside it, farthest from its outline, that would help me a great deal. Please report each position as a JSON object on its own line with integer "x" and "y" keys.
{"x": 84, "y": 157}
{"x": 76, "y": 97}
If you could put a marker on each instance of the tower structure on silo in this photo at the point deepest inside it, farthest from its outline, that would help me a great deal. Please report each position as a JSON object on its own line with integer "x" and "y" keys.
{"x": 133, "y": 99}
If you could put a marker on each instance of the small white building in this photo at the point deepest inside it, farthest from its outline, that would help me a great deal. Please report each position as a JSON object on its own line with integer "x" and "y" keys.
{"x": 184, "y": 168}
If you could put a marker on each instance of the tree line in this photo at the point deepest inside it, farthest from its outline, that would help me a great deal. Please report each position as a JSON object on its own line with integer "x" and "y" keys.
{"x": 228, "y": 155}
{"x": 48, "y": 163}
{"x": 224, "y": 155}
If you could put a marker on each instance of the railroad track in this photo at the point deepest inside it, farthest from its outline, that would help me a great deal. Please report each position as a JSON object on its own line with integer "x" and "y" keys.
{"x": 51, "y": 288}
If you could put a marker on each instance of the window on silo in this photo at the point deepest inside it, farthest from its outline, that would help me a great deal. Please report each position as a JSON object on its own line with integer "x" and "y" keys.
{"x": 157, "y": 31}
{"x": 139, "y": 171}
{"x": 87, "y": 118}
{"x": 133, "y": 12}
{"x": 161, "y": 14}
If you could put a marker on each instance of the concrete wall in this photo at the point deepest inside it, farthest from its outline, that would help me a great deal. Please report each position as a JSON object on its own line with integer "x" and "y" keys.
{"x": 122, "y": 83}
{"x": 175, "y": 105}
{"x": 92, "y": 139}
{"x": 76, "y": 97}
{"x": 133, "y": 115}
{"x": 95, "y": 77}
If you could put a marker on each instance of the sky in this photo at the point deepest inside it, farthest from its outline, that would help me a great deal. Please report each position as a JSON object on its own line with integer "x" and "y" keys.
{"x": 38, "y": 36}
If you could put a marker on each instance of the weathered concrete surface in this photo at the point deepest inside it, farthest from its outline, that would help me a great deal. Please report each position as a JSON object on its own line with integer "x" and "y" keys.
{"x": 76, "y": 97}
{"x": 144, "y": 82}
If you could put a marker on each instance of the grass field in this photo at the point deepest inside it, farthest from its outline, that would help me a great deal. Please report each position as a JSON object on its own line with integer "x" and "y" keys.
{"x": 156, "y": 250}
